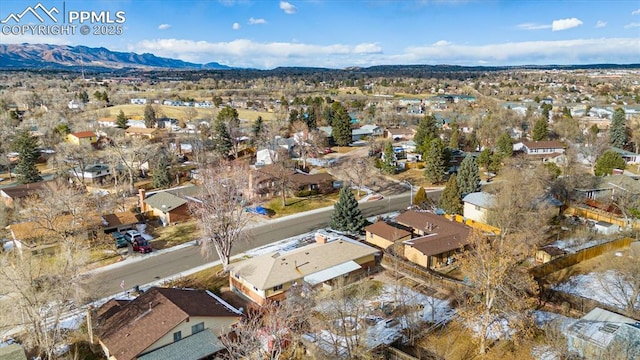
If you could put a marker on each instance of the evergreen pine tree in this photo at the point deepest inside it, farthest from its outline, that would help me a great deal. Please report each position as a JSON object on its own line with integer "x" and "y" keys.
{"x": 222, "y": 143}
{"x": 540, "y": 129}
{"x": 121, "y": 120}
{"x": 607, "y": 162}
{"x": 427, "y": 131}
{"x": 618, "y": 130}
{"x": 420, "y": 197}
{"x": 484, "y": 159}
{"x": 434, "y": 163}
{"x": 256, "y": 130}
{"x": 454, "y": 140}
{"x": 451, "y": 198}
{"x": 504, "y": 145}
{"x": 149, "y": 116}
{"x": 341, "y": 125}
{"x": 468, "y": 175}
{"x": 26, "y": 146}
{"x": 346, "y": 214}
{"x": 161, "y": 173}
{"x": 389, "y": 159}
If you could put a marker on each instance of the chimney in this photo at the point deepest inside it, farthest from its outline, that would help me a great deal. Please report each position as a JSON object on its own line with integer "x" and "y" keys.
{"x": 321, "y": 238}
{"x": 141, "y": 198}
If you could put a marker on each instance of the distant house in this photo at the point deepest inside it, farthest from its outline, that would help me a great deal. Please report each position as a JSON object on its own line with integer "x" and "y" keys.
{"x": 107, "y": 122}
{"x": 82, "y": 137}
{"x": 330, "y": 258}
{"x": 165, "y": 323}
{"x": 149, "y": 133}
{"x": 477, "y": 205}
{"x": 601, "y": 334}
{"x": 373, "y": 129}
{"x": 139, "y": 101}
{"x": 165, "y": 206}
{"x": 264, "y": 182}
{"x": 436, "y": 240}
{"x": 628, "y": 156}
{"x": 541, "y": 150}
{"x": 75, "y": 105}
{"x": 94, "y": 174}
{"x": 397, "y": 134}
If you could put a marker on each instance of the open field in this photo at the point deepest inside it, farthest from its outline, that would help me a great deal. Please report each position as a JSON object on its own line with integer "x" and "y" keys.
{"x": 177, "y": 112}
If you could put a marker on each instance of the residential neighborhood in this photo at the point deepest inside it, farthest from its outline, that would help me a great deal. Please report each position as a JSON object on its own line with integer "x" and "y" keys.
{"x": 391, "y": 212}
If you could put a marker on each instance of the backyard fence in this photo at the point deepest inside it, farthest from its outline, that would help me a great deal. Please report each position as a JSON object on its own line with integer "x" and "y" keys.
{"x": 396, "y": 264}
{"x": 552, "y": 266}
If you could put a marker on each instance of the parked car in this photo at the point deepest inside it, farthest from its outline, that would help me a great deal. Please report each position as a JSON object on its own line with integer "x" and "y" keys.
{"x": 257, "y": 210}
{"x": 141, "y": 245}
{"x": 121, "y": 242}
{"x": 130, "y": 234}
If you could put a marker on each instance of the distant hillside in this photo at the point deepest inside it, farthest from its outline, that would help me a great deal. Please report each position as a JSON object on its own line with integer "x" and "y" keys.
{"x": 44, "y": 56}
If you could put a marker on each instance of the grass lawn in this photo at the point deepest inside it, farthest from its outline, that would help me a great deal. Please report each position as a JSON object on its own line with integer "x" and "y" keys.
{"x": 168, "y": 236}
{"x": 212, "y": 279}
{"x": 297, "y": 205}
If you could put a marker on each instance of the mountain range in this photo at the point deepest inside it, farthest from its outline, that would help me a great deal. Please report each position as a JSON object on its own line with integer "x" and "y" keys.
{"x": 60, "y": 57}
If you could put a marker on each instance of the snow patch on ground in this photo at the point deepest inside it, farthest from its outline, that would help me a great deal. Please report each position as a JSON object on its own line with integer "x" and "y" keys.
{"x": 607, "y": 288}
{"x": 574, "y": 245}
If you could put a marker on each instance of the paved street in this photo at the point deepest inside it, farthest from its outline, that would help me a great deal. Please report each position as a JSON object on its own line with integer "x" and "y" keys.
{"x": 155, "y": 267}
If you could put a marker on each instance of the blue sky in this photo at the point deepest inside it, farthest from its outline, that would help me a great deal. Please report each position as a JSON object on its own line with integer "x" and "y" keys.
{"x": 336, "y": 34}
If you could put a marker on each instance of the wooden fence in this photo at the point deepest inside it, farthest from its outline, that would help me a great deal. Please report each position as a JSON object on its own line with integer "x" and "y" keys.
{"x": 600, "y": 215}
{"x": 392, "y": 353}
{"x": 541, "y": 271}
{"x": 474, "y": 224}
{"x": 405, "y": 267}
{"x": 578, "y": 303}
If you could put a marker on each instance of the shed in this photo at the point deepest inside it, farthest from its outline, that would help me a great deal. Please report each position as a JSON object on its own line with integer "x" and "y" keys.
{"x": 606, "y": 228}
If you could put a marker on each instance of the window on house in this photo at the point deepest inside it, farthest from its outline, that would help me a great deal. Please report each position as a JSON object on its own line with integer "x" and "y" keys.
{"x": 277, "y": 287}
{"x": 236, "y": 276}
{"x": 197, "y": 328}
{"x": 477, "y": 207}
{"x": 177, "y": 336}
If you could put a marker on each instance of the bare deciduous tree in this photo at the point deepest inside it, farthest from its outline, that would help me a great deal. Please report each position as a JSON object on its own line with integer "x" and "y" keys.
{"x": 622, "y": 281}
{"x": 220, "y": 213}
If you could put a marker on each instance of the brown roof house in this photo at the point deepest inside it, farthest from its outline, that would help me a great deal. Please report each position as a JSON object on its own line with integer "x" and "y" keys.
{"x": 12, "y": 196}
{"x": 542, "y": 150}
{"x": 436, "y": 239}
{"x": 385, "y": 235}
{"x": 119, "y": 221}
{"x": 270, "y": 276}
{"x": 165, "y": 323}
{"x": 265, "y": 182}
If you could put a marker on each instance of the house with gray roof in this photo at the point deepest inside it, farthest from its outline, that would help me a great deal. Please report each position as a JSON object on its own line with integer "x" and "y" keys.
{"x": 165, "y": 206}
{"x": 331, "y": 257}
{"x": 477, "y": 206}
{"x": 602, "y": 334}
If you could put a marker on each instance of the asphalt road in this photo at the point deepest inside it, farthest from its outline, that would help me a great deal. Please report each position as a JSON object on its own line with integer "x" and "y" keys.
{"x": 155, "y": 267}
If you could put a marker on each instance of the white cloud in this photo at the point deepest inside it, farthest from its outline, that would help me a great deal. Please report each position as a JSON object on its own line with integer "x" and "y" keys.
{"x": 288, "y": 7}
{"x": 247, "y": 53}
{"x": 164, "y": 26}
{"x": 601, "y": 24}
{"x": 564, "y": 24}
{"x": 441, "y": 43}
{"x": 632, "y": 25}
{"x": 635, "y": 12}
{"x": 254, "y": 21}
{"x": 533, "y": 26}
{"x": 235, "y": 26}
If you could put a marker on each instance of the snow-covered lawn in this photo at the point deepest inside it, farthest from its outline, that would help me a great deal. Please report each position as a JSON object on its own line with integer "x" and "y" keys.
{"x": 383, "y": 330}
{"x": 574, "y": 245}
{"x": 605, "y": 287}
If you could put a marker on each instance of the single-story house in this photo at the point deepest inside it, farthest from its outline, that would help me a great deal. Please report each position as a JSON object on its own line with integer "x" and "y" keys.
{"x": 628, "y": 156}
{"x": 436, "y": 240}
{"x": 602, "y": 334}
{"x": 42, "y": 238}
{"x": 94, "y": 174}
{"x": 400, "y": 133}
{"x": 477, "y": 205}
{"x": 264, "y": 182}
{"x": 165, "y": 323}
{"x": 82, "y": 137}
{"x": 542, "y": 150}
{"x": 149, "y": 133}
{"x": 169, "y": 208}
{"x": 384, "y": 235}
{"x": 119, "y": 221}
{"x": 331, "y": 257}
{"x": 13, "y": 195}
{"x": 374, "y": 130}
